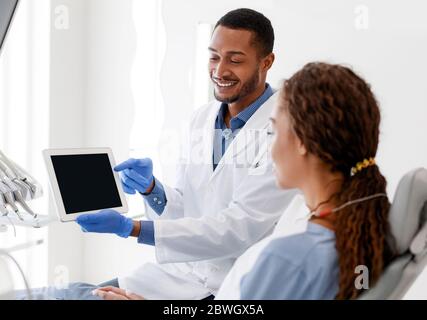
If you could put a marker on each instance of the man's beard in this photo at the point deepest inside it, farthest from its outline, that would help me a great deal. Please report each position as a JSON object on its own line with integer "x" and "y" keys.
{"x": 246, "y": 90}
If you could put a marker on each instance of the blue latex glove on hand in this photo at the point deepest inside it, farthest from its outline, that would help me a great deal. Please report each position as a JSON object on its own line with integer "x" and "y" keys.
{"x": 136, "y": 175}
{"x": 106, "y": 221}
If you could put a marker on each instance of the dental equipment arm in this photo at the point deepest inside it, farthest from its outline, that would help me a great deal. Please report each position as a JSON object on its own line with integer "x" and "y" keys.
{"x": 16, "y": 186}
{"x": 16, "y": 173}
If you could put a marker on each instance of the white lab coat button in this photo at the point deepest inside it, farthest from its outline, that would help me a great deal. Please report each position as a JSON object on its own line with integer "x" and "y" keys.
{"x": 155, "y": 199}
{"x": 159, "y": 202}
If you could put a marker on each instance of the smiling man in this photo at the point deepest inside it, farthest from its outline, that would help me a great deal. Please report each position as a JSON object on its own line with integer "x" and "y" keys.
{"x": 241, "y": 53}
{"x": 239, "y": 75}
{"x": 226, "y": 198}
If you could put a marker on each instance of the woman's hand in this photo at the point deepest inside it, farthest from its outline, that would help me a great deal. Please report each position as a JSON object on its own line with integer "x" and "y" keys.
{"x": 113, "y": 293}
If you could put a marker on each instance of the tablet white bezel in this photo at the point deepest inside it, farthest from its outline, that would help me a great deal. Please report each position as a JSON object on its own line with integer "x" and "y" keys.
{"x": 63, "y": 216}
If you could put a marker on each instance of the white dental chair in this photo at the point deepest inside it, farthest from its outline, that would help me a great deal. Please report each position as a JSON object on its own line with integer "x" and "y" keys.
{"x": 408, "y": 221}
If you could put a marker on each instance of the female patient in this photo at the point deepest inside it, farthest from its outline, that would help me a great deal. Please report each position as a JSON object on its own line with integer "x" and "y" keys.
{"x": 326, "y": 130}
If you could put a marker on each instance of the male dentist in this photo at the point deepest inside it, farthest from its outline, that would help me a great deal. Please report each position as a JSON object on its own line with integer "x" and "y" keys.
{"x": 226, "y": 197}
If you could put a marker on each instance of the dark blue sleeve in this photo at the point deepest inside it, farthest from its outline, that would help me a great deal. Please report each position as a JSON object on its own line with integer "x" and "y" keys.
{"x": 146, "y": 235}
{"x": 157, "y": 198}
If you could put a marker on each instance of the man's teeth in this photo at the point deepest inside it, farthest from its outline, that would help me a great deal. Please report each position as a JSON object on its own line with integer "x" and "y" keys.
{"x": 225, "y": 84}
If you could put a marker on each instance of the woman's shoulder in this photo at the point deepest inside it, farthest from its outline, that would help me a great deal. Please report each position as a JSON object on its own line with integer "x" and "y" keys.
{"x": 316, "y": 242}
{"x": 301, "y": 266}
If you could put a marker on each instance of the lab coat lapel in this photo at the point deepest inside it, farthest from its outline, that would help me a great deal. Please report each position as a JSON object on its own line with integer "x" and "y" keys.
{"x": 245, "y": 138}
{"x": 209, "y": 134}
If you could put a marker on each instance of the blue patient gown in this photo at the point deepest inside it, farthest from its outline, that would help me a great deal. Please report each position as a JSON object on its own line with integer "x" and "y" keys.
{"x": 301, "y": 266}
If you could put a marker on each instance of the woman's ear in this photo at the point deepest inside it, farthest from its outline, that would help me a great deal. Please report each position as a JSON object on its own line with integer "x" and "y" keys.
{"x": 301, "y": 148}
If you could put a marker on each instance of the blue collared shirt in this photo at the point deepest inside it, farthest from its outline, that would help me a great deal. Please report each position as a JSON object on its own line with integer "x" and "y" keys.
{"x": 224, "y": 135}
{"x": 222, "y": 139}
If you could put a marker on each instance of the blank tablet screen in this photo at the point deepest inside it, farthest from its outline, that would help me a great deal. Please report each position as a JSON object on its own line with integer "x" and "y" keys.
{"x": 86, "y": 182}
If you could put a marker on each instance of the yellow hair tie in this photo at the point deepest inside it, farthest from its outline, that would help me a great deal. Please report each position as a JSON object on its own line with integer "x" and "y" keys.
{"x": 362, "y": 165}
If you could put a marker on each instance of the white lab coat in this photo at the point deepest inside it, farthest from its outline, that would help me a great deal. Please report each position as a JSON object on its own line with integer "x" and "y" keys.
{"x": 212, "y": 217}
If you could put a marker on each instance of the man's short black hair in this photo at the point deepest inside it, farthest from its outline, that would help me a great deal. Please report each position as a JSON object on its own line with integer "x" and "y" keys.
{"x": 251, "y": 20}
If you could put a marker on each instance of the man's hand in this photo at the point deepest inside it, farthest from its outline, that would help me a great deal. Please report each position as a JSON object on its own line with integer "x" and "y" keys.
{"x": 106, "y": 221}
{"x": 136, "y": 175}
{"x": 113, "y": 293}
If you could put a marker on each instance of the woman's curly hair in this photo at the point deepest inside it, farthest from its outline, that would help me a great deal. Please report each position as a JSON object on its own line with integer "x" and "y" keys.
{"x": 336, "y": 116}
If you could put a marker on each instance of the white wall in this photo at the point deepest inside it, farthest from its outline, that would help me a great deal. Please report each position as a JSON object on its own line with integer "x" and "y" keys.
{"x": 67, "y": 104}
{"x": 108, "y": 120}
{"x": 92, "y": 104}
{"x": 390, "y": 54}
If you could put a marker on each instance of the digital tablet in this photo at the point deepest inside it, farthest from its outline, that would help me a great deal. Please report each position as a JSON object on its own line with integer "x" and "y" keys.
{"x": 83, "y": 181}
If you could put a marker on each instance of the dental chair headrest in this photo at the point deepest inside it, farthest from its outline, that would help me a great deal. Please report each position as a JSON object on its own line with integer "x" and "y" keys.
{"x": 408, "y": 213}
